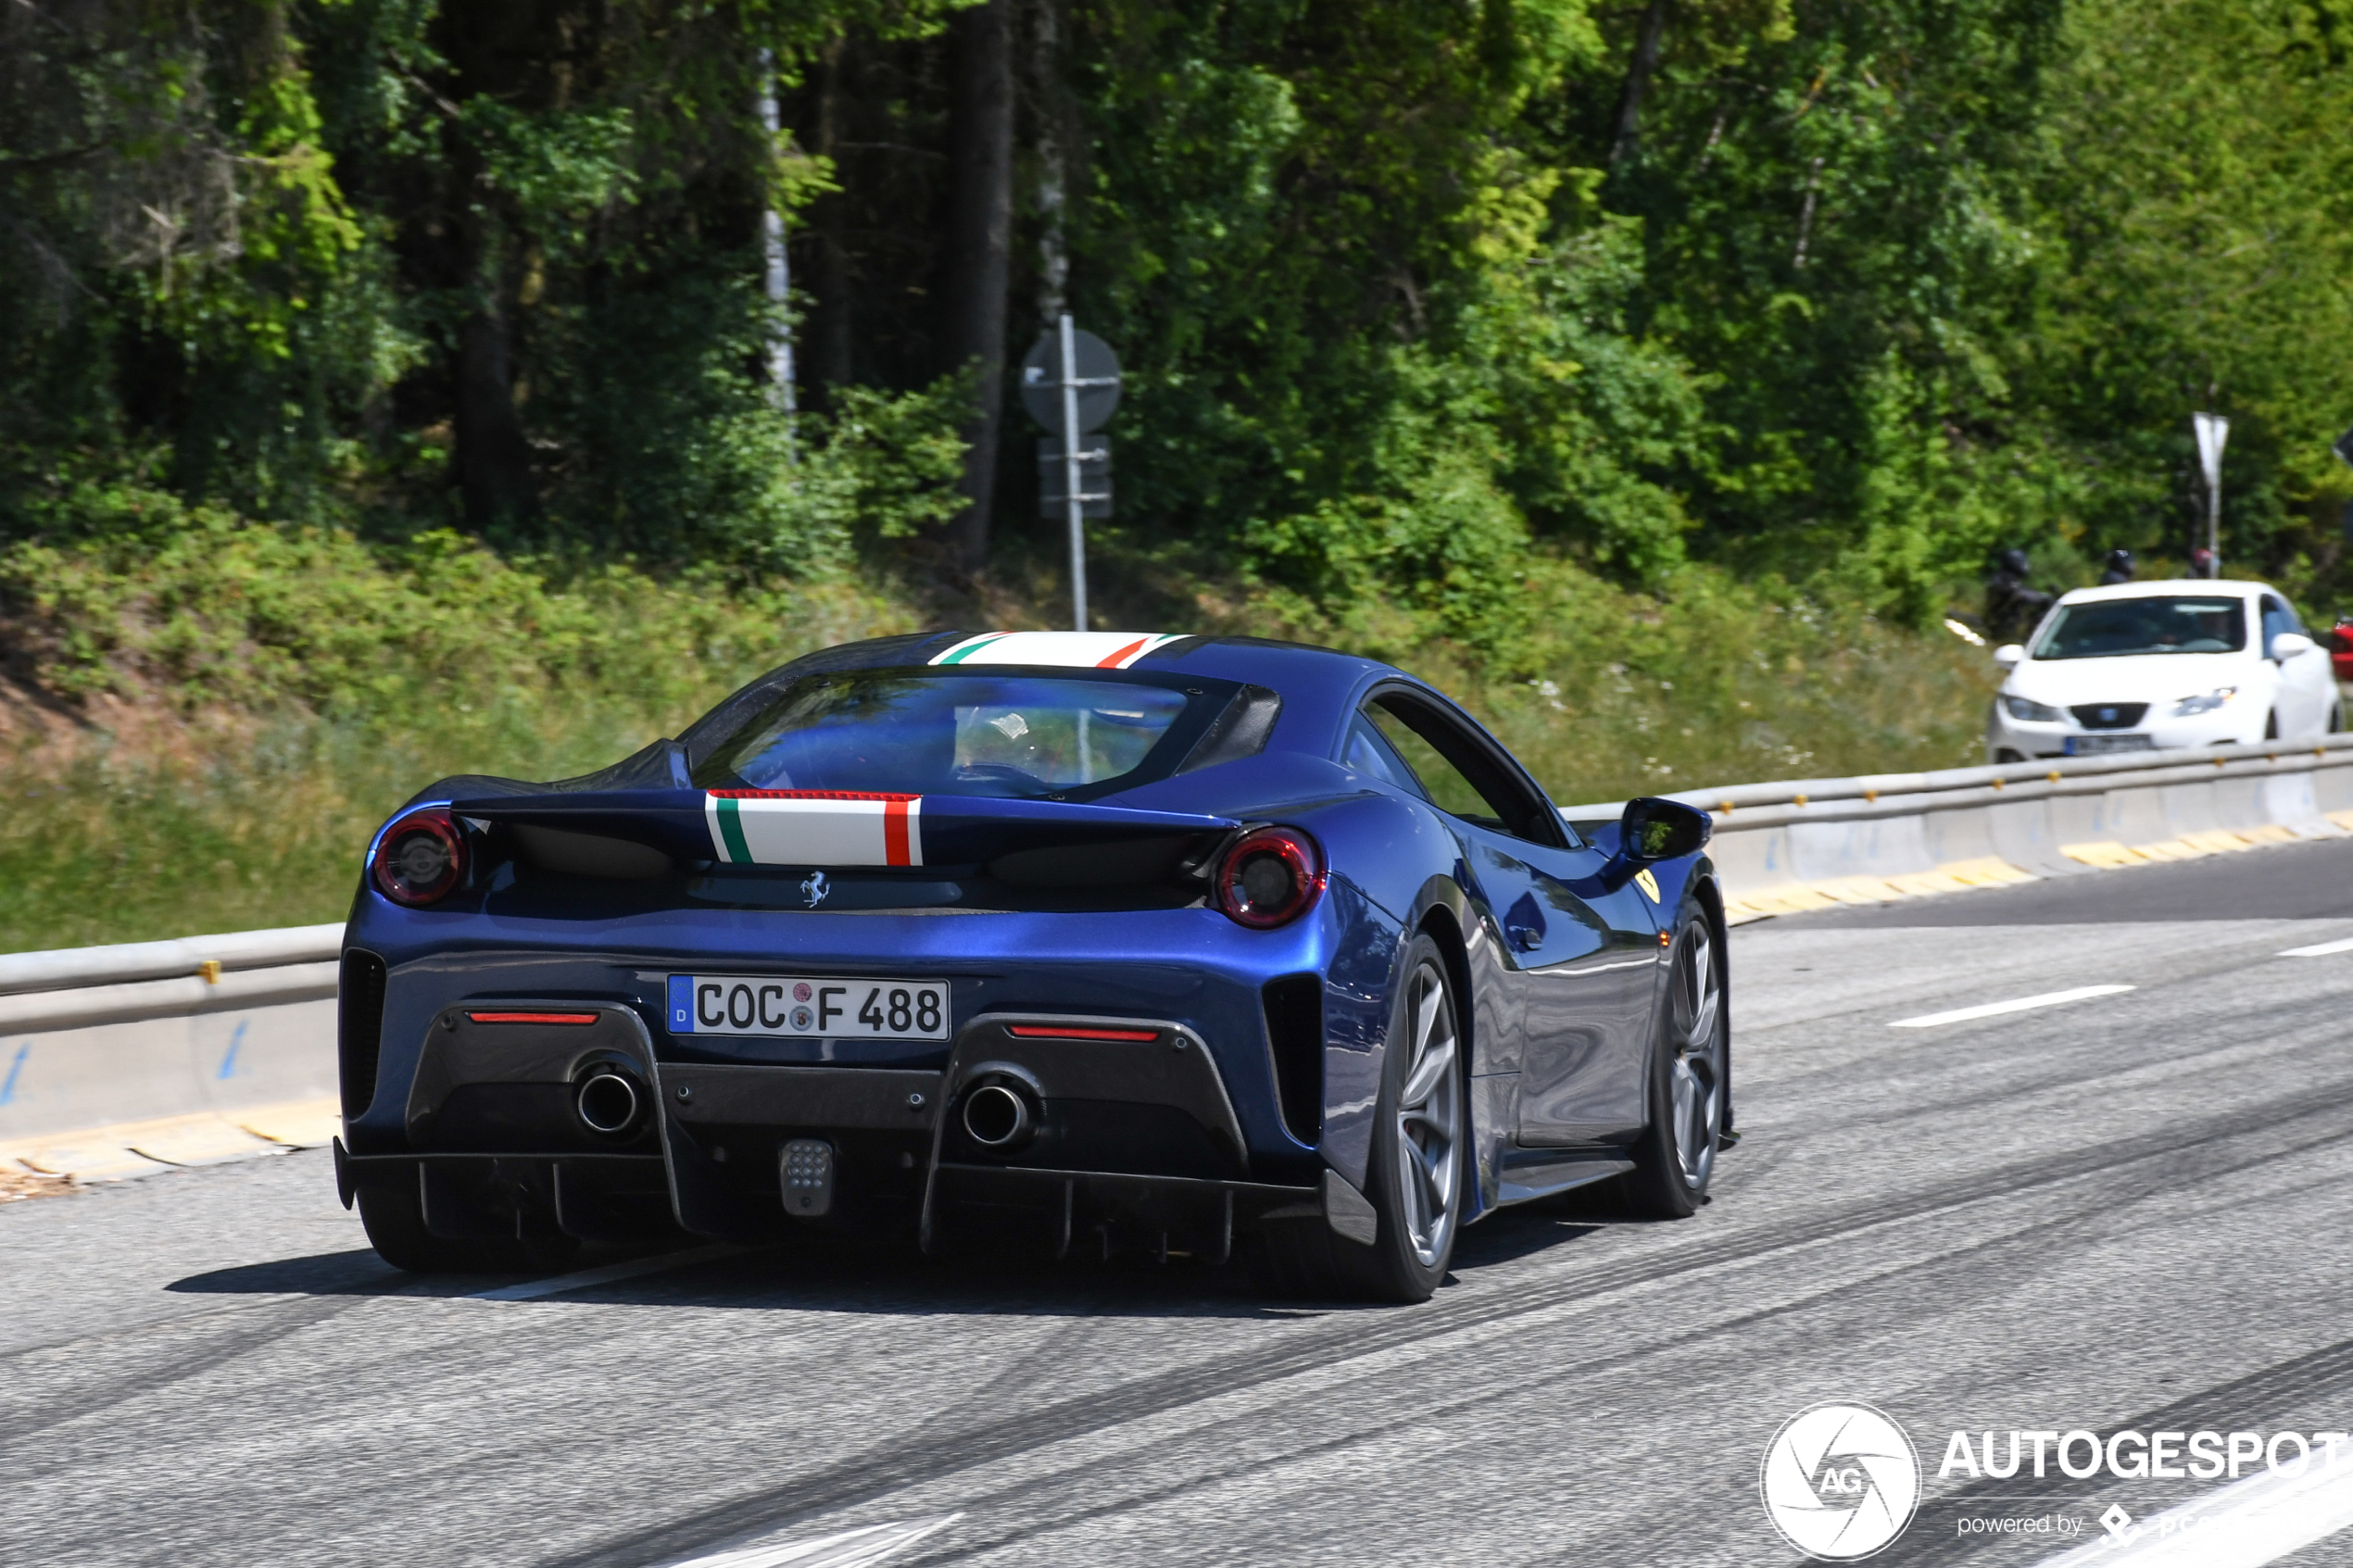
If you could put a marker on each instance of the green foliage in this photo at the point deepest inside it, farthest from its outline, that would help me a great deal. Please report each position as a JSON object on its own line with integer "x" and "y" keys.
{"x": 307, "y": 682}
{"x": 206, "y": 611}
{"x": 1424, "y": 367}
{"x": 310, "y": 683}
{"x": 1696, "y": 428}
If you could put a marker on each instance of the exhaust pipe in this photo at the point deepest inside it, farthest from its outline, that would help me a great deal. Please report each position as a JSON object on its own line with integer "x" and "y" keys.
{"x": 998, "y": 1118}
{"x": 610, "y": 1104}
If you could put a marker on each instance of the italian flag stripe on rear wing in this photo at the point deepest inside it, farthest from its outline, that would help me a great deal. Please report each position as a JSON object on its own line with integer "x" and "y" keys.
{"x": 1068, "y": 650}
{"x": 814, "y": 827}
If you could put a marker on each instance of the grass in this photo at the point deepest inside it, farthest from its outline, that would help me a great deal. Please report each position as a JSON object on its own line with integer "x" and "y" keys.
{"x": 292, "y": 688}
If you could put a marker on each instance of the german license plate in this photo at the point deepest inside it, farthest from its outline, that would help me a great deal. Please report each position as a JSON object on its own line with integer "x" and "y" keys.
{"x": 824, "y": 1007}
{"x": 2092, "y": 746}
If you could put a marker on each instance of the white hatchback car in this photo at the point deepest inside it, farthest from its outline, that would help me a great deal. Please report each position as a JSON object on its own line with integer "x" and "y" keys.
{"x": 2148, "y": 665}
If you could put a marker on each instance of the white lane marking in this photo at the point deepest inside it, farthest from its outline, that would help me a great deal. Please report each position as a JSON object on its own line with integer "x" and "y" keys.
{"x": 532, "y": 1290}
{"x": 850, "y": 1549}
{"x": 2320, "y": 950}
{"x": 2248, "y": 1522}
{"x": 2019, "y": 1004}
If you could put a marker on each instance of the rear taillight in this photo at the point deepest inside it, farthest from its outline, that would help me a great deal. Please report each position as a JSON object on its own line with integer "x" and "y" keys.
{"x": 1269, "y": 876}
{"x": 420, "y": 857}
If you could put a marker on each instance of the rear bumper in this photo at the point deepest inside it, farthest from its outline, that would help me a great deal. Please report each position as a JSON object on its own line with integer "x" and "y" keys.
{"x": 1131, "y": 1138}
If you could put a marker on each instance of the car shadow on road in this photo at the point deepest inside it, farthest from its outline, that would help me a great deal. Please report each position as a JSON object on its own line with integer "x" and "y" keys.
{"x": 357, "y": 1271}
{"x": 843, "y": 1277}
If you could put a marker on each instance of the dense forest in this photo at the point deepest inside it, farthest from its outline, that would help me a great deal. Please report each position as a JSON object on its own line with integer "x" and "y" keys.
{"x": 1842, "y": 291}
{"x": 1659, "y": 372}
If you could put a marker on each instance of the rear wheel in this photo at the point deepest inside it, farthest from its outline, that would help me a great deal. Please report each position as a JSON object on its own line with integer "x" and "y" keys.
{"x": 2272, "y": 725}
{"x": 1417, "y": 1176}
{"x": 1690, "y": 1080}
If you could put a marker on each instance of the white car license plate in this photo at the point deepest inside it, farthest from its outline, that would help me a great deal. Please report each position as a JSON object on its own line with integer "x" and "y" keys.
{"x": 826, "y": 1007}
{"x": 2092, "y": 746}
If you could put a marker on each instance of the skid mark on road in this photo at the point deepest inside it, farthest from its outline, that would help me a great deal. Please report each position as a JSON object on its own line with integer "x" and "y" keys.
{"x": 1354, "y": 1335}
{"x": 2315, "y": 1377}
{"x": 241, "y": 1338}
{"x": 1051, "y": 1503}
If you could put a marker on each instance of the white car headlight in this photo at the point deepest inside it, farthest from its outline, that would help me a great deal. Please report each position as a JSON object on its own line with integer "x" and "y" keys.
{"x": 2206, "y": 703}
{"x": 2030, "y": 710}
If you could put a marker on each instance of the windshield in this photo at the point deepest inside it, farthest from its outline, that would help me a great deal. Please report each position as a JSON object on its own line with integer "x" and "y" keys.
{"x": 2114, "y": 628}
{"x": 951, "y": 733}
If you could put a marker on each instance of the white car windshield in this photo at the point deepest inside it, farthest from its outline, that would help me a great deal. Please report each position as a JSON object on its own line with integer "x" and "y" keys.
{"x": 2116, "y": 628}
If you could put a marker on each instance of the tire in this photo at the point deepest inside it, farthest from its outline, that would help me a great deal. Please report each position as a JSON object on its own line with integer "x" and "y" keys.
{"x": 2336, "y": 716}
{"x": 2006, "y": 756}
{"x": 393, "y": 1217}
{"x": 2272, "y": 725}
{"x": 1691, "y": 1078}
{"x": 1418, "y": 1178}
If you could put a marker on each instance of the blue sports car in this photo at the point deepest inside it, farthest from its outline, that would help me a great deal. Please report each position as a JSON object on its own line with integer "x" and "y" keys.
{"x": 1083, "y": 941}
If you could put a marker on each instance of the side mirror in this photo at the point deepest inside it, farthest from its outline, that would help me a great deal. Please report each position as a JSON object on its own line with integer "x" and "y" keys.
{"x": 2288, "y": 644}
{"x": 2009, "y": 655}
{"x": 1653, "y": 829}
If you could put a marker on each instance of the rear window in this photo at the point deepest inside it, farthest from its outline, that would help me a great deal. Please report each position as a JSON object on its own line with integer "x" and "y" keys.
{"x": 947, "y": 731}
{"x": 2116, "y": 628}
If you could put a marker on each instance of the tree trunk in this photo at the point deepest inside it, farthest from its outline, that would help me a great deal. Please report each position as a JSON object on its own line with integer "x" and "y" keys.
{"x": 492, "y": 458}
{"x": 829, "y": 267}
{"x": 488, "y": 47}
{"x": 979, "y": 249}
{"x": 1637, "y": 81}
{"x": 1056, "y": 134}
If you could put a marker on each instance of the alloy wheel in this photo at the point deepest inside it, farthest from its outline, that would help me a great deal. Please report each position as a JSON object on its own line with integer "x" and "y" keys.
{"x": 1430, "y": 1121}
{"x": 1696, "y": 1074}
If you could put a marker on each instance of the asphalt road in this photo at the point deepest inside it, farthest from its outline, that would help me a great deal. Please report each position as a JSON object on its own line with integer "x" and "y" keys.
{"x": 2128, "y": 1211}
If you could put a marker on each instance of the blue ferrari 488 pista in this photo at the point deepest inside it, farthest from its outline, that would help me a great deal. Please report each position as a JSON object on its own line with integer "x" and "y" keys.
{"x": 1083, "y": 941}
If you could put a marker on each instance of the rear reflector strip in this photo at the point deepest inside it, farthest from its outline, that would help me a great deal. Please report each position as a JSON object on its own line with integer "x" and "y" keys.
{"x": 1034, "y": 1032}
{"x": 531, "y": 1017}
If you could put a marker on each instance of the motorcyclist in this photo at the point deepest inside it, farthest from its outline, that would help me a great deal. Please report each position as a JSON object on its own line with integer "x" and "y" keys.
{"x": 2118, "y": 569}
{"x": 2012, "y": 607}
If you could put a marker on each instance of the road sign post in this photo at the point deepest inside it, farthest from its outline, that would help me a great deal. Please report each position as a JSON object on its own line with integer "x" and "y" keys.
{"x": 2213, "y": 429}
{"x": 1074, "y": 501}
{"x": 1076, "y": 398}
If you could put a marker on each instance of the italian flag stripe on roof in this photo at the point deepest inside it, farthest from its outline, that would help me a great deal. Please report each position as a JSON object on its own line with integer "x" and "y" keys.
{"x": 1068, "y": 650}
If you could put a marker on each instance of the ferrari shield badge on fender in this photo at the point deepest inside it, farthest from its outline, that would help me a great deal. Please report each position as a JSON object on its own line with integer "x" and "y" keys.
{"x": 1648, "y": 883}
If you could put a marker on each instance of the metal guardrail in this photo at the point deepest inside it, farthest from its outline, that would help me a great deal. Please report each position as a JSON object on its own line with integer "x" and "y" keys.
{"x": 62, "y": 967}
{"x": 1887, "y": 795}
{"x": 73, "y": 987}
{"x": 1798, "y": 844}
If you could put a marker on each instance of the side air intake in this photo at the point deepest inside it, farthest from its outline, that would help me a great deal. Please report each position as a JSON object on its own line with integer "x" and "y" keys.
{"x": 1295, "y": 1031}
{"x": 360, "y": 1028}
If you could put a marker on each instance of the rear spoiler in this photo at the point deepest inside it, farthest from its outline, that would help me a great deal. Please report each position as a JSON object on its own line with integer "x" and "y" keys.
{"x": 1018, "y": 840}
